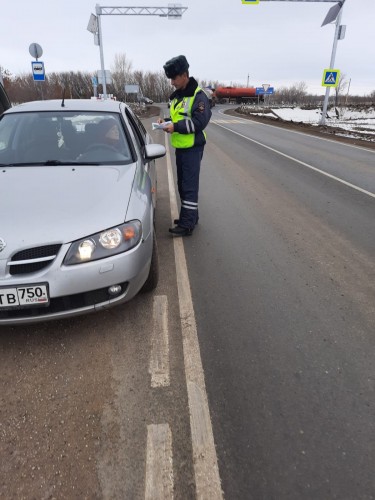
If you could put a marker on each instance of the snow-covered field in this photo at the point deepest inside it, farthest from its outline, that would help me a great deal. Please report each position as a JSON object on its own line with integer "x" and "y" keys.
{"x": 353, "y": 123}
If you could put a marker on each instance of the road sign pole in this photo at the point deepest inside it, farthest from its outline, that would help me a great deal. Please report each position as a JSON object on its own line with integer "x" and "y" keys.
{"x": 100, "y": 38}
{"x": 332, "y": 65}
{"x": 173, "y": 11}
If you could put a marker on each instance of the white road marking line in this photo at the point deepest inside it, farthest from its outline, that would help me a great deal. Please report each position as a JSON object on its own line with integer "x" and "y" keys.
{"x": 228, "y": 121}
{"x": 353, "y": 186}
{"x": 206, "y": 470}
{"x": 159, "y": 360}
{"x": 159, "y": 463}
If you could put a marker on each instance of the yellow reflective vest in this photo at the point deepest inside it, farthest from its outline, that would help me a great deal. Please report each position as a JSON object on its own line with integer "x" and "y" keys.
{"x": 181, "y": 110}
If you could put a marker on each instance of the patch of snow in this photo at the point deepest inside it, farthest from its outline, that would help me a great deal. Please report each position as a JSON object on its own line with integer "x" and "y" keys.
{"x": 349, "y": 114}
{"x": 298, "y": 115}
{"x": 356, "y": 123}
{"x": 268, "y": 115}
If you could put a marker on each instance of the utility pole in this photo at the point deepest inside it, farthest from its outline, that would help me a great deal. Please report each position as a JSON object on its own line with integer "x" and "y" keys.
{"x": 173, "y": 11}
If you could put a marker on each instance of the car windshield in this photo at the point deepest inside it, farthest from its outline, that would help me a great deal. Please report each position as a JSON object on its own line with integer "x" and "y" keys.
{"x": 56, "y": 138}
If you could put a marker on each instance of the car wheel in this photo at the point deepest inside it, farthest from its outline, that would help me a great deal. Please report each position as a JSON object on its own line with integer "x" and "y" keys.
{"x": 153, "y": 276}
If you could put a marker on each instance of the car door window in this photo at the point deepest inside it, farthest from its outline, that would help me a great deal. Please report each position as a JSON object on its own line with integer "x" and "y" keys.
{"x": 138, "y": 130}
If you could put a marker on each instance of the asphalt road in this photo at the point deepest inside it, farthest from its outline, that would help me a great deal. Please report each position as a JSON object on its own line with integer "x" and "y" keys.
{"x": 281, "y": 270}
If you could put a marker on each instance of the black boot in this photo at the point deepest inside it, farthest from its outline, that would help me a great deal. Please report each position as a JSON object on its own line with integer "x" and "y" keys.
{"x": 180, "y": 231}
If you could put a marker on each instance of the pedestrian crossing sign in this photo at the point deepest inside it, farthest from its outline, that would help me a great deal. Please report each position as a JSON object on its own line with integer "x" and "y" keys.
{"x": 331, "y": 77}
{"x": 250, "y": 2}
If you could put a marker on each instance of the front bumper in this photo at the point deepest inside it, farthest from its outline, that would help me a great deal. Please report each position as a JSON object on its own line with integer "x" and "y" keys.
{"x": 81, "y": 288}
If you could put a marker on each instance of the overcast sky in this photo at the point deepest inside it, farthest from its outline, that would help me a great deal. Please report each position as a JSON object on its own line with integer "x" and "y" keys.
{"x": 275, "y": 42}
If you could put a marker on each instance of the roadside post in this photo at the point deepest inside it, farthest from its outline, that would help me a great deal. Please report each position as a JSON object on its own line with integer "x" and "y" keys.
{"x": 94, "y": 82}
{"x": 264, "y": 90}
{"x": 265, "y": 86}
{"x": 104, "y": 78}
{"x": 131, "y": 89}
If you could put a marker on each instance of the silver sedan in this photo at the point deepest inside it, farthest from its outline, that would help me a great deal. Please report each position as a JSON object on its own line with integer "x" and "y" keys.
{"x": 77, "y": 202}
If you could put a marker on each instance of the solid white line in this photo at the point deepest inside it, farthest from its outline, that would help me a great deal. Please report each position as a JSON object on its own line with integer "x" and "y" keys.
{"x": 159, "y": 463}
{"x": 159, "y": 360}
{"x": 353, "y": 186}
{"x": 206, "y": 470}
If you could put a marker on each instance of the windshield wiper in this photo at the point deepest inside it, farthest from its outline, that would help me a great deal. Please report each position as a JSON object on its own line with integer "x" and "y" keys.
{"x": 62, "y": 162}
{"x": 48, "y": 163}
{"x": 19, "y": 164}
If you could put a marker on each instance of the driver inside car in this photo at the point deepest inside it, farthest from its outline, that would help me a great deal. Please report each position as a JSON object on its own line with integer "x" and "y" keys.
{"x": 104, "y": 142}
{"x": 109, "y": 133}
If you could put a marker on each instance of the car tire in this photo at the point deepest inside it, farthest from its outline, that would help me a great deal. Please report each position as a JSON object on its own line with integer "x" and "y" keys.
{"x": 153, "y": 276}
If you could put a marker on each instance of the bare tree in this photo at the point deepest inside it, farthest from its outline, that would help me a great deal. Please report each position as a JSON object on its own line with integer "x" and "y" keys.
{"x": 294, "y": 95}
{"x": 4, "y": 75}
{"x": 156, "y": 86}
{"x": 23, "y": 88}
{"x": 341, "y": 86}
{"x": 78, "y": 85}
{"x": 121, "y": 75}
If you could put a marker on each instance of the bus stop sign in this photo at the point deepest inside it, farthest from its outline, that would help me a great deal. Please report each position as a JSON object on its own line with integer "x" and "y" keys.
{"x": 38, "y": 71}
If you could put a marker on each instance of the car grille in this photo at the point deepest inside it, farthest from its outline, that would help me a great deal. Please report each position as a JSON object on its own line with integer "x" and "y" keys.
{"x": 60, "y": 304}
{"x": 33, "y": 259}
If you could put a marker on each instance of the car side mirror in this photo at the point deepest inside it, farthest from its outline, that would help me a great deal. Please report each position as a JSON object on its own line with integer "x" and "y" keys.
{"x": 153, "y": 151}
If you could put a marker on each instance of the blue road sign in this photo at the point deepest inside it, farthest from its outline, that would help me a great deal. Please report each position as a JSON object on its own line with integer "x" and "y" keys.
{"x": 331, "y": 77}
{"x": 260, "y": 91}
{"x": 38, "y": 71}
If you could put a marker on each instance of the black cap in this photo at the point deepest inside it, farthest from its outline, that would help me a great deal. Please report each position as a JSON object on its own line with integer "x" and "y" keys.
{"x": 176, "y": 66}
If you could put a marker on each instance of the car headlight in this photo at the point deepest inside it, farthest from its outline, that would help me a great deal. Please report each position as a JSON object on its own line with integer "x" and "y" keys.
{"x": 112, "y": 241}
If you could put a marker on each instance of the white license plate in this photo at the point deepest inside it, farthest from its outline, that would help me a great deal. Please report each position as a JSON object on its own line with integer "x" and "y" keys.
{"x": 24, "y": 296}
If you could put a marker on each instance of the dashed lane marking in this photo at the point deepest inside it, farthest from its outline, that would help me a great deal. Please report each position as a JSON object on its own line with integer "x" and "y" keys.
{"x": 159, "y": 360}
{"x": 206, "y": 470}
{"x": 159, "y": 463}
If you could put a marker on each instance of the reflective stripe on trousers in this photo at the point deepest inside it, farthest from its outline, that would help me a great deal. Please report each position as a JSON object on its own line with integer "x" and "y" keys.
{"x": 188, "y": 162}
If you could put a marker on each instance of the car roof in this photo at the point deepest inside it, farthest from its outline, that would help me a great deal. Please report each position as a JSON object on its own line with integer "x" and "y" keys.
{"x": 107, "y": 105}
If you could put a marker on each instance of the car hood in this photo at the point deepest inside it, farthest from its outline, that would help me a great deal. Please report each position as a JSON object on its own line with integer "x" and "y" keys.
{"x": 59, "y": 204}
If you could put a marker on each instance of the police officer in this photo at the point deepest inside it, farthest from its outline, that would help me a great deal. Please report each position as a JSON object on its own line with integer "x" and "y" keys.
{"x": 190, "y": 113}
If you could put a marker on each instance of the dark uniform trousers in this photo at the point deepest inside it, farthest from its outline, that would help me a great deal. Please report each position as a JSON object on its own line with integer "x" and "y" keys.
{"x": 188, "y": 162}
